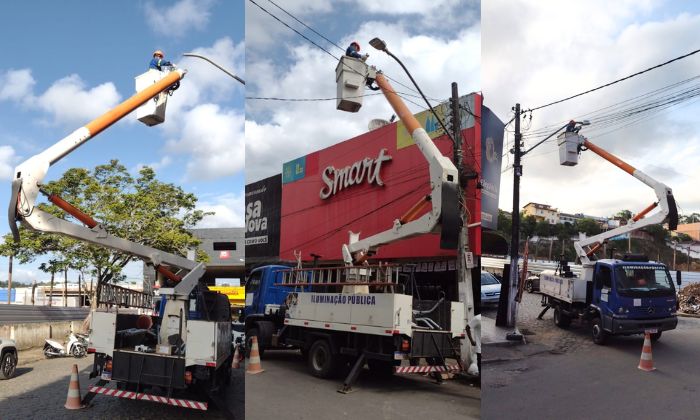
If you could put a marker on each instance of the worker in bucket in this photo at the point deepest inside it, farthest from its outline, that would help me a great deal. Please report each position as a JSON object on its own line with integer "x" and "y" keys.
{"x": 354, "y": 51}
{"x": 157, "y": 62}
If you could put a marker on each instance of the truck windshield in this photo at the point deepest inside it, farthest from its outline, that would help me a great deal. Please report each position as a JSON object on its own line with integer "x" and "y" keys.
{"x": 643, "y": 280}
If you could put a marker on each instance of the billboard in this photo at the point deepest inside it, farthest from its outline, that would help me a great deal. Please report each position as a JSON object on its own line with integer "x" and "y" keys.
{"x": 491, "y": 155}
{"x": 364, "y": 184}
{"x": 262, "y": 218}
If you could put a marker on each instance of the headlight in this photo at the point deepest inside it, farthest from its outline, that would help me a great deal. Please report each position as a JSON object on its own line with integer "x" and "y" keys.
{"x": 622, "y": 310}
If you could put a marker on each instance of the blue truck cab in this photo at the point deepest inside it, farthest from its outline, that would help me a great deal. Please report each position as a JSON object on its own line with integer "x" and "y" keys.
{"x": 632, "y": 297}
{"x": 624, "y": 296}
{"x": 263, "y": 314}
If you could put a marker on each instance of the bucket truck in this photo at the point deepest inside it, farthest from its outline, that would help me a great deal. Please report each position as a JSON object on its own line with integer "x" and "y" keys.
{"x": 359, "y": 313}
{"x": 624, "y": 296}
{"x": 188, "y": 343}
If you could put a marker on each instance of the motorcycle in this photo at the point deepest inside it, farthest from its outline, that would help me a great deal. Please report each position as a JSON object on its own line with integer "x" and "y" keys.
{"x": 76, "y": 347}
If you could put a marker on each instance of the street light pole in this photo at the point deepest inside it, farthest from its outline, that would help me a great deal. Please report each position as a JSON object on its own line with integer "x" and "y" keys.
{"x": 215, "y": 65}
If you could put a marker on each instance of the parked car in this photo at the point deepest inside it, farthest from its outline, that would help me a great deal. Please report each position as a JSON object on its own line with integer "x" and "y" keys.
{"x": 532, "y": 283}
{"x": 8, "y": 358}
{"x": 490, "y": 289}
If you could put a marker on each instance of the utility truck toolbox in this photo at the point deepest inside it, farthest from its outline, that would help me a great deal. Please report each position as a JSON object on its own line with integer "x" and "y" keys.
{"x": 152, "y": 112}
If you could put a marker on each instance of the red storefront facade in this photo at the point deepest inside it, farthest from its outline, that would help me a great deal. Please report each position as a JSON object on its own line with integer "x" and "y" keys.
{"x": 365, "y": 183}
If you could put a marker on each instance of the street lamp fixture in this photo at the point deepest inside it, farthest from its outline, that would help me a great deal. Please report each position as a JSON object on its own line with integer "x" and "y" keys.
{"x": 378, "y": 44}
{"x": 215, "y": 65}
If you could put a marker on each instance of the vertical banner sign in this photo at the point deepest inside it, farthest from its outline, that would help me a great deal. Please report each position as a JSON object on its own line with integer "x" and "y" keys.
{"x": 263, "y": 203}
{"x": 491, "y": 154}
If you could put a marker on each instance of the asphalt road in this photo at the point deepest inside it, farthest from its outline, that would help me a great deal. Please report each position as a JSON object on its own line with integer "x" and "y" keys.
{"x": 560, "y": 374}
{"x": 40, "y": 387}
{"x": 285, "y": 389}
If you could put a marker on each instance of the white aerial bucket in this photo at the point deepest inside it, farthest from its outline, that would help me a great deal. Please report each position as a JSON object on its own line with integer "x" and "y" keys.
{"x": 568, "y": 148}
{"x": 350, "y": 76}
{"x": 153, "y": 111}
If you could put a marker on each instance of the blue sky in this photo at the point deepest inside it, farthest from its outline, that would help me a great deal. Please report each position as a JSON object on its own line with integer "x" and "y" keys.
{"x": 64, "y": 63}
{"x": 439, "y": 41}
{"x": 608, "y": 40}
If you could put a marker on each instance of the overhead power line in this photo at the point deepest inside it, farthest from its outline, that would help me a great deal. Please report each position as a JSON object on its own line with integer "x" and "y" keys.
{"x": 328, "y": 40}
{"x": 615, "y": 81}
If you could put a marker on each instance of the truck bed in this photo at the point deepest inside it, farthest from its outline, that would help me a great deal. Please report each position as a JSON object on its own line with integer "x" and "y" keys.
{"x": 567, "y": 289}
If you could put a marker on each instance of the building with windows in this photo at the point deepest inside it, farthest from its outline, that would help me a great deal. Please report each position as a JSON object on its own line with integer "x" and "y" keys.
{"x": 542, "y": 212}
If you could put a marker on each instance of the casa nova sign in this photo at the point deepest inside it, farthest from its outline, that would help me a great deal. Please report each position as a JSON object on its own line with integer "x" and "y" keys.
{"x": 366, "y": 170}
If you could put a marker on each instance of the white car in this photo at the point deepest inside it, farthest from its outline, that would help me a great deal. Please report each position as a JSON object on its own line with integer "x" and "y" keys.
{"x": 8, "y": 358}
{"x": 490, "y": 289}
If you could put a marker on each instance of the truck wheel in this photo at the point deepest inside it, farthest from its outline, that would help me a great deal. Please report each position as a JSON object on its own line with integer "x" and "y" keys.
{"x": 322, "y": 362}
{"x": 561, "y": 320}
{"x": 528, "y": 286}
{"x": 253, "y": 332}
{"x": 655, "y": 336}
{"x": 8, "y": 364}
{"x": 599, "y": 334}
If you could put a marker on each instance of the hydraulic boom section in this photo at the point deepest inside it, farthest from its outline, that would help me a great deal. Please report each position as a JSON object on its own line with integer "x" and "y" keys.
{"x": 443, "y": 173}
{"x": 570, "y": 145}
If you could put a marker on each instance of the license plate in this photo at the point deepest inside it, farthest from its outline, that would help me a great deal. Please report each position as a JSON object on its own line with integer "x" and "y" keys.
{"x": 106, "y": 376}
{"x": 651, "y": 331}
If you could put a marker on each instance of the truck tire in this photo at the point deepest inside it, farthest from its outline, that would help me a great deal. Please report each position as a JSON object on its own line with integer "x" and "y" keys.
{"x": 598, "y": 333}
{"x": 253, "y": 332}
{"x": 560, "y": 320}
{"x": 322, "y": 362}
{"x": 655, "y": 336}
{"x": 8, "y": 364}
{"x": 529, "y": 286}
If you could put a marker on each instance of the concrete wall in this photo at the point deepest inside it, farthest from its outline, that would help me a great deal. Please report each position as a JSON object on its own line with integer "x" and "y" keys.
{"x": 33, "y": 334}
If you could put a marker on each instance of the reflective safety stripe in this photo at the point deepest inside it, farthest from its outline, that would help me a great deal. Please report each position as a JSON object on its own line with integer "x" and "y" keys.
{"x": 197, "y": 405}
{"x": 425, "y": 369}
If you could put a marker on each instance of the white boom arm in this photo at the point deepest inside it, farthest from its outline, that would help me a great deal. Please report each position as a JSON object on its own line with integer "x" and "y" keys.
{"x": 664, "y": 195}
{"x": 29, "y": 175}
{"x": 443, "y": 189}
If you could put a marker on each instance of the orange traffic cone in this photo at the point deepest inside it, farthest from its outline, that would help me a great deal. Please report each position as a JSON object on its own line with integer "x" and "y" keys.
{"x": 646, "y": 362}
{"x": 236, "y": 359}
{"x": 73, "y": 399}
{"x": 254, "y": 365}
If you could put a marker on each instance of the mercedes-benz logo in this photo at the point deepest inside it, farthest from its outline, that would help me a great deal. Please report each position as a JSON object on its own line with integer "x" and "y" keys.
{"x": 650, "y": 310}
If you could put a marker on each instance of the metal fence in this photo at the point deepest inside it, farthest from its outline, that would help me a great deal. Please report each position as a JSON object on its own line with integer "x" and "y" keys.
{"x": 14, "y": 314}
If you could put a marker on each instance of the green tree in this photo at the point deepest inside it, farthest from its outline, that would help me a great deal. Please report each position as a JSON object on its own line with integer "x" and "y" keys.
{"x": 588, "y": 226}
{"x": 625, "y": 214}
{"x": 140, "y": 209}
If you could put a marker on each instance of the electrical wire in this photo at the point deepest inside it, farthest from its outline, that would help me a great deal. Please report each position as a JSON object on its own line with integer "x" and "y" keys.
{"x": 323, "y": 49}
{"x": 616, "y": 81}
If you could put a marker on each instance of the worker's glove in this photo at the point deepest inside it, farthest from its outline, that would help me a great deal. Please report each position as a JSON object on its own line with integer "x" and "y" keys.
{"x": 364, "y": 57}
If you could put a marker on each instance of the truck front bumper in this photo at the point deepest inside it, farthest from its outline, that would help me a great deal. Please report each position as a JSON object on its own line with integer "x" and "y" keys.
{"x": 638, "y": 326}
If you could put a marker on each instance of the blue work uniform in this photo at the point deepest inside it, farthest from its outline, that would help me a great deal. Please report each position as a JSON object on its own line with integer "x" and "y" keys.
{"x": 158, "y": 63}
{"x": 352, "y": 52}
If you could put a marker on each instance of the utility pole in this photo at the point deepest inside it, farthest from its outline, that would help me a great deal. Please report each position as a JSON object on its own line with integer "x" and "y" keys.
{"x": 515, "y": 232}
{"x": 464, "y": 276}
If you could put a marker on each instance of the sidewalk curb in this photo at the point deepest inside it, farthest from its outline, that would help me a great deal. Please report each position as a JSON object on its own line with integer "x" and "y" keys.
{"x": 684, "y": 315}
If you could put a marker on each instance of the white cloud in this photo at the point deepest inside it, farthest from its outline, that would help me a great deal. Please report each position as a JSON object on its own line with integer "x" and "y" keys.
{"x": 215, "y": 139}
{"x": 165, "y": 161}
{"x": 16, "y": 85}
{"x": 261, "y": 30}
{"x": 280, "y": 131}
{"x": 69, "y": 101}
{"x": 179, "y": 18}
{"x": 532, "y": 55}
{"x": 8, "y": 160}
{"x": 229, "y": 211}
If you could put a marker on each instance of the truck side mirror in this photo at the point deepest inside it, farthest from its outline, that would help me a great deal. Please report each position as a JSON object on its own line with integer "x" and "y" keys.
{"x": 678, "y": 278}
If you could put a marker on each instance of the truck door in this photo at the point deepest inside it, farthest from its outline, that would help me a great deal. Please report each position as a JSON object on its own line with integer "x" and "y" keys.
{"x": 252, "y": 295}
{"x": 602, "y": 289}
